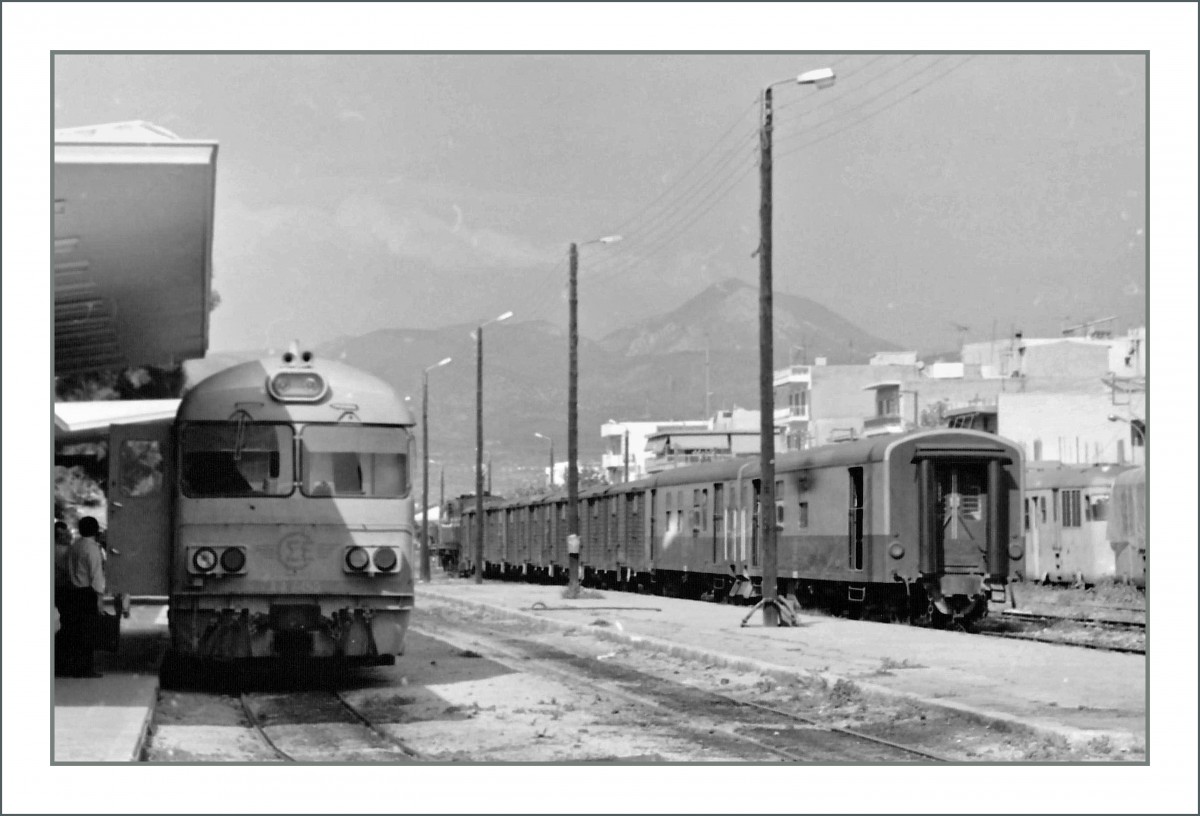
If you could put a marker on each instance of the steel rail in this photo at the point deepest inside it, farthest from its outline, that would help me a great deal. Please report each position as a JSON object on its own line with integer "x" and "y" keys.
{"x": 261, "y": 731}
{"x": 652, "y": 703}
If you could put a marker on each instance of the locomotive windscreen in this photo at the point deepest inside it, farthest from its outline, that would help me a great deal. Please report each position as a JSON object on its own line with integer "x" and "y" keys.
{"x": 353, "y": 460}
{"x": 236, "y": 459}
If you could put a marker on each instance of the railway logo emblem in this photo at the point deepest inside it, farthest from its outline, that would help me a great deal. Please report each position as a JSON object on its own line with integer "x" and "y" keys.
{"x": 297, "y": 551}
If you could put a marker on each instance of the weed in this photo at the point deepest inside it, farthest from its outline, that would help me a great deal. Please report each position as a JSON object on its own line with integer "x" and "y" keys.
{"x": 1101, "y": 745}
{"x": 582, "y": 594}
{"x": 844, "y": 692}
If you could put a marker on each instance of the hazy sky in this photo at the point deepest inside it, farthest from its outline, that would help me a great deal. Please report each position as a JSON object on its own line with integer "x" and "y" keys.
{"x": 419, "y": 190}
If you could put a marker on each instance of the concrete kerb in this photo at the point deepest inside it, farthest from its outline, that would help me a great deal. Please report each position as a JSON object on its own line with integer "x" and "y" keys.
{"x": 139, "y": 749}
{"x": 988, "y": 719}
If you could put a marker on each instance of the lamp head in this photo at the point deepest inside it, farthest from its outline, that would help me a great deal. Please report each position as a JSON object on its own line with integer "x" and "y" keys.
{"x": 821, "y": 77}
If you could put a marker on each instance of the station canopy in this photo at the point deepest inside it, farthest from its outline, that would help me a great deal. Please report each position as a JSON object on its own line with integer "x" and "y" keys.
{"x": 89, "y": 421}
{"x": 133, "y": 228}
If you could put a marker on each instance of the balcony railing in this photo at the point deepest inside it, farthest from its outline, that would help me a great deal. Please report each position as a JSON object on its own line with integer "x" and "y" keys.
{"x": 796, "y": 373}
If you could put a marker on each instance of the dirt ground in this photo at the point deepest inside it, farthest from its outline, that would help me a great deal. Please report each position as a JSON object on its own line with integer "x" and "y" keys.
{"x": 842, "y": 705}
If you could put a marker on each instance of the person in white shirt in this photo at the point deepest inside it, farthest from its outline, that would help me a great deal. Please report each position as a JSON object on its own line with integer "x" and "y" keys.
{"x": 81, "y": 613}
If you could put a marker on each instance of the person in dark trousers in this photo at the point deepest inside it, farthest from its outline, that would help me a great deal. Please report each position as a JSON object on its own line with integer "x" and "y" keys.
{"x": 62, "y": 546}
{"x": 81, "y": 613}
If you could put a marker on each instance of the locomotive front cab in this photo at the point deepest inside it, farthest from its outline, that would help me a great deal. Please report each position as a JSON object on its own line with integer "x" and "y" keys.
{"x": 293, "y": 525}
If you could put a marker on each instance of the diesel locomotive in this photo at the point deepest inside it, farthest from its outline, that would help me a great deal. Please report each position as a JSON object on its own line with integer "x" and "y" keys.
{"x": 922, "y": 527}
{"x": 274, "y": 513}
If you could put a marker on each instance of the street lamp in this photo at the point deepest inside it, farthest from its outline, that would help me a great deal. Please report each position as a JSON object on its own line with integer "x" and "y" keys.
{"x": 822, "y": 78}
{"x": 573, "y": 410}
{"x": 479, "y": 444}
{"x": 425, "y": 574}
{"x": 551, "y": 441}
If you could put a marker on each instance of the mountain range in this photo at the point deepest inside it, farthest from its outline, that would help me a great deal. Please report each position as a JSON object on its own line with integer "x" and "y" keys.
{"x": 653, "y": 369}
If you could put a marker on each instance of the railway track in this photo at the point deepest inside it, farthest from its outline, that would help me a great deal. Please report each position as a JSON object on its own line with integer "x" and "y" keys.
{"x": 1090, "y": 632}
{"x": 320, "y": 727}
{"x": 786, "y": 735}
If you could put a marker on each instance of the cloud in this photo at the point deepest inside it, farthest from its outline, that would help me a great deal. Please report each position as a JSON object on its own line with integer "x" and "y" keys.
{"x": 414, "y": 233}
{"x": 351, "y": 116}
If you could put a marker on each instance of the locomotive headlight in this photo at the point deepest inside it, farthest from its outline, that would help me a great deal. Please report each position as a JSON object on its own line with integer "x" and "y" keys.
{"x": 357, "y": 559}
{"x": 1015, "y": 551}
{"x": 233, "y": 559}
{"x": 297, "y": 386}
{"x": 385, "y": 559}
{"x": 896, "y": 550}
{"x": 204, "y": 559}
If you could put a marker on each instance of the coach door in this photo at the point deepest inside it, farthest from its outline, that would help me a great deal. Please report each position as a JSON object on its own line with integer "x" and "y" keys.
{"x": 962, "y": 514}
{"x": 139, "y": 508}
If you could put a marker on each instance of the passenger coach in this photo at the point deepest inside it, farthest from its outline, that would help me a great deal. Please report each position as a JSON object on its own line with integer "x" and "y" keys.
{"x": 920, "y": 526}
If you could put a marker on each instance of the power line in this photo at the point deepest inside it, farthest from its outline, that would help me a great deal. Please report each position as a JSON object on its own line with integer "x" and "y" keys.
{"x": 878, "y": 111}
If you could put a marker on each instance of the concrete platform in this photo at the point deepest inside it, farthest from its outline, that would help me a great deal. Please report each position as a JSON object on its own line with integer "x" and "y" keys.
{"x": 1080, "y": 694}
{"x": 106, "y": 719}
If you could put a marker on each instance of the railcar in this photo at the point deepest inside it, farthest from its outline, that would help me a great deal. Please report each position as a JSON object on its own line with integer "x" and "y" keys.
{"x": 1066, "y": 522}
{"x": 274, "y": 512}
{"x": 920, "y": 526}
{"x": 1127, "y": 526}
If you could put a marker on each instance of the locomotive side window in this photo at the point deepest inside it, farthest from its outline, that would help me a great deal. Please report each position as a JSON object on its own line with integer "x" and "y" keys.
{"x": 236, "y": 459}
{"x": 354, "y": 460}
{"x": 140, "y": 464}
{"x": 1097, "y": 507}
{"x": 779, "y": 515}
{"x": 855, "y": 533}
{"x": 803, "y": 514}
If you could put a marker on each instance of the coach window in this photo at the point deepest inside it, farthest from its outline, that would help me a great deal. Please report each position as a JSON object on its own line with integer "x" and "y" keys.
{"x": 803, "y": 514}
{"x": 1070, "y": 508}
{"x": 354, "y": 460}
{"x": 1097, "y": 507}
{"x": 779, "y": 503}
{"x": 235, "y": 459}
{"x": 140, "y": 467}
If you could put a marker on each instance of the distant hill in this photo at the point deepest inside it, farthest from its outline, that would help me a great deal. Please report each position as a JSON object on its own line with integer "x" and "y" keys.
{"x": 654, "y": 370}
{"x": 725, "y": 317}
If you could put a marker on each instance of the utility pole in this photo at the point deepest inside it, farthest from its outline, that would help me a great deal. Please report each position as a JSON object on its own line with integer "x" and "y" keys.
{"x": 479, "y": 520}
{"x": 626, "y": 454}
{"x": 822, "y": 78}
{"x": 707, "y": 378}
{"x": 425, "y": 571}
{"x": 479, "y": 455}
{"x": 573, "y": 414}
{"x": 766, "y": 376}
{"x": 573, "y": 426}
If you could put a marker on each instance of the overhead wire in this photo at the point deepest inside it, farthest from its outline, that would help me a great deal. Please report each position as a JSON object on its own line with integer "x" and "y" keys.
{"x": 908, "y": 95}
{"x": 716, "y": 182}
{"x": 688, "y": 216}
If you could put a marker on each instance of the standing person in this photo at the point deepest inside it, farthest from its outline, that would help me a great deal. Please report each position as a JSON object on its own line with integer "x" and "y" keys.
{"x": 62, "y": 545}
{"x": 81, "y": 617}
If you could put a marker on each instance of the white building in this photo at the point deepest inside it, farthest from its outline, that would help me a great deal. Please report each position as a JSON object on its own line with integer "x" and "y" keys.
{"x": 626, "y": 442}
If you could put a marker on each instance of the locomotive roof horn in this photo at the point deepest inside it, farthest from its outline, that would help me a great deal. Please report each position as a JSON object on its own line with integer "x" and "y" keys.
{"x": 293, "y": 353}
